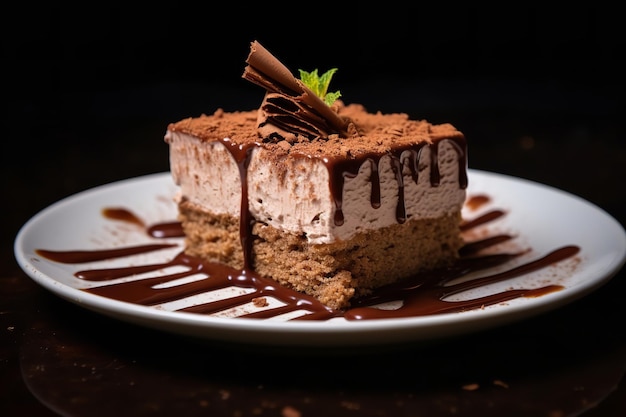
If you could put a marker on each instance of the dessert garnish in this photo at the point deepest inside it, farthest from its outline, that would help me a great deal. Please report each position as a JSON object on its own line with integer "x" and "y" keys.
{"x": 290, "y": 109}
{"x": 319, "y": 84}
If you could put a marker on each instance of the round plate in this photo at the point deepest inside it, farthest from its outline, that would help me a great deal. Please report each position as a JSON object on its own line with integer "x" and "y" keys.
{"x": 541, "y": 217}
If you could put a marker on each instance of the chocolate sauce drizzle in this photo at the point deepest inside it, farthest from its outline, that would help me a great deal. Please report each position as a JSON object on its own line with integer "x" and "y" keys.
{"x": 420, "y": 295}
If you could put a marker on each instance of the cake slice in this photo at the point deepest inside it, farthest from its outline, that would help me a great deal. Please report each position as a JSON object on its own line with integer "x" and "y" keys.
{"x": 329, "y": 200}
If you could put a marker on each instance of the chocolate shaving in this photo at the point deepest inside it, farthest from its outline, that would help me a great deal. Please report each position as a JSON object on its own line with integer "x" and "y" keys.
{"x": 268, "y": 72}
{"x": 291, "y": 115}
{"x": 265, "y": 70}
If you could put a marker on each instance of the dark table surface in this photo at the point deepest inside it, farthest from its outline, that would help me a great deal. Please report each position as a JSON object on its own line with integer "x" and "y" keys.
{"x": 64, "y": 135}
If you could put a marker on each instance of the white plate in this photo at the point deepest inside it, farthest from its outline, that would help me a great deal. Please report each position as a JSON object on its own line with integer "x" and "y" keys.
{"x": 543, "y": 218}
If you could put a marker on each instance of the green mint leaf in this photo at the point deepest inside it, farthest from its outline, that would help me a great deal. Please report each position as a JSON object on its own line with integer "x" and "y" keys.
{"x": 330, "y": 98}
{"x": 319, "y": 84}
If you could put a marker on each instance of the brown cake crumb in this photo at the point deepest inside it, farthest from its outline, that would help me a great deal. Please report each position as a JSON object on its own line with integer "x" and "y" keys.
{"x": 260, "y": 302}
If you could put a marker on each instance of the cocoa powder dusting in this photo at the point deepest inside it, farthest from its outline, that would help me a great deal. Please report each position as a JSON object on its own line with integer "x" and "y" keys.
{"x": 372, "y": 132}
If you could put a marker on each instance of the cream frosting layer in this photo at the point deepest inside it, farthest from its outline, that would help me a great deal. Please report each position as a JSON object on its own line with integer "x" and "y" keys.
{"x": 299, "y": 198}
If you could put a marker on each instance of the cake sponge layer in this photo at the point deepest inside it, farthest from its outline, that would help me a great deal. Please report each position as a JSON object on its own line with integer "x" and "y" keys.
{"x": 333, "y": 273}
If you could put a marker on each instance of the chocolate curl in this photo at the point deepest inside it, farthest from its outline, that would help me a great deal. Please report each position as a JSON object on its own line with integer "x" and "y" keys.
{"x": 267, "y": 71}
{"x": 288, "y": 116}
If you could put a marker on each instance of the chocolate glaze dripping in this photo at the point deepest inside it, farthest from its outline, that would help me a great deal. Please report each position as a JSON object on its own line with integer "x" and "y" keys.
{"x": 435, "y": 175}
{"x": 375, "y": 180}
{"x": 421, "y": 294}
{"x": 411, "y": 159}
{"x": 396, "y": 167}
{"x": 242, "y": 154}
{"x": 340, "y": 168}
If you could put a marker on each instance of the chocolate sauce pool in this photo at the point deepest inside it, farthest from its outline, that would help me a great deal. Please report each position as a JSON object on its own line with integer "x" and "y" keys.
{"x": 420, "y": 295}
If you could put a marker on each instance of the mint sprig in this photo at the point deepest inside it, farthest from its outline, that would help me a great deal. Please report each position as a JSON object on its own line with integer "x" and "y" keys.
{"x": 319, "y": 84}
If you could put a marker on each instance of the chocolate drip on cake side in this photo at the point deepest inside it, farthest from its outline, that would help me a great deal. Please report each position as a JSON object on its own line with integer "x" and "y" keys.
{"x": 341, "y": 168}
{"x": 242, "y": 154}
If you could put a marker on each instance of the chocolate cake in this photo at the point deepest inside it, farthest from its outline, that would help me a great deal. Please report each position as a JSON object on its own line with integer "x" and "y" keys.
{"x": 328, "y": 199}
